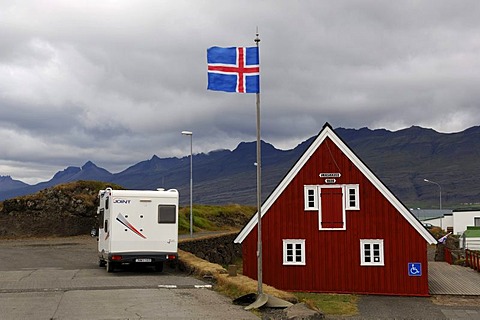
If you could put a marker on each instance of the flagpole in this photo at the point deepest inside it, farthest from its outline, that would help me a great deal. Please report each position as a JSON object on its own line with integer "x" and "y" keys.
{"x": 262, "y": 298}
{"x": 259, "y": 190}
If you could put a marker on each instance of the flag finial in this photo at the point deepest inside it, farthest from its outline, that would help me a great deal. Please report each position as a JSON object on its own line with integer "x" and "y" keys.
{"x": 257, "y": 39}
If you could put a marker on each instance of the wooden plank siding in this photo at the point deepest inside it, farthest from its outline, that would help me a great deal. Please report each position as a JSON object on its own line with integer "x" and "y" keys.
{"x": 333, "y": 256}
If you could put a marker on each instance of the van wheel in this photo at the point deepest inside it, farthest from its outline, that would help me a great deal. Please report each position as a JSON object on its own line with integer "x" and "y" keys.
{"x": 109, "y": 266}
{"x": 101, "y": 263}
{"x": 159, "y": 267}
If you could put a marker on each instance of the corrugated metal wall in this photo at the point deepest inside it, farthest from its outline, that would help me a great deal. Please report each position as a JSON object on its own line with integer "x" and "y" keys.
{"x": 333, "y": 257}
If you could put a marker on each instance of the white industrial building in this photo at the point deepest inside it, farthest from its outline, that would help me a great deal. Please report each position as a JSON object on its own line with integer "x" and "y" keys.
{"x": 456, "y": 221}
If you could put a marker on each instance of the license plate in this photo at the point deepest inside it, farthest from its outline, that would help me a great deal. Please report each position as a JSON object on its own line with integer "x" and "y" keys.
{"x": 143, "y": 260}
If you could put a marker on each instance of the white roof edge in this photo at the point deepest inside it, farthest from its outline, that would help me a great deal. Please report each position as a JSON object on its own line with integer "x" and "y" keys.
{"x": 283, "y": 184}
{"x": 328, "y": 132}
{"x": 139, "y": 193}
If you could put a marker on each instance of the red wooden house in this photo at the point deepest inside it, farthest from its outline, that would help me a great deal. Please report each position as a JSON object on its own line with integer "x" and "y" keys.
{"x": 332, "y": 226}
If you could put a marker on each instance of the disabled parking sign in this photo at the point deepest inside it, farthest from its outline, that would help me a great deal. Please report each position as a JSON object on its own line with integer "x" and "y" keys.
{"x": 414, "y": 269}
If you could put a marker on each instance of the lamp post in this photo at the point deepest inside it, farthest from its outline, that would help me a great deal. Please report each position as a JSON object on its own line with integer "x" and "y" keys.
{"x": 439, "y": 188}
{"x": 189, "y": 133}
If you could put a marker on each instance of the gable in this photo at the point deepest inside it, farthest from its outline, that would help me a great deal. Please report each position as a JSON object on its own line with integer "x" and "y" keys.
{"x": 328, "y": 136}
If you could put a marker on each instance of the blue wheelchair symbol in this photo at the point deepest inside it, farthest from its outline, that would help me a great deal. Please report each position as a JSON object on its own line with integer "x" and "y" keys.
{"x": 414, "y": 269}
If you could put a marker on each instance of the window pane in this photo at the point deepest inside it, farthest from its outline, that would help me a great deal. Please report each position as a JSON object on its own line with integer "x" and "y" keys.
{"x": 366, "y": 249}
{"x": 101, "y": 216}
{"x": 352, "y": 197}
{"x": 311, "y": 198}
{"x": 167, "y": 214}
{"x": 294, "y": 252}
{"x": 289, "y": 252}
{"x": 372, "y": 252}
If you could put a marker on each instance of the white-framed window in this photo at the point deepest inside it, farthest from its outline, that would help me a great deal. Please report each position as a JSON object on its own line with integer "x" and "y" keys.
{"x": 476, "y": 221}
{"x": 351, "y": 191}
{"x": 294, "y": 252}
{"x": 352, "y": 200}
{"x": 371, "y": 252}
{"x": 332, "y": 201}
{"x": 311, "y": 198}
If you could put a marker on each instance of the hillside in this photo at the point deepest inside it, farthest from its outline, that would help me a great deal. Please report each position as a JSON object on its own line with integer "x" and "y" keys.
{"x": 70, "y": 209}
{"x": 64, "y": 210}
{"x": 409, "y": 156}
{"x": 401, "y": 159}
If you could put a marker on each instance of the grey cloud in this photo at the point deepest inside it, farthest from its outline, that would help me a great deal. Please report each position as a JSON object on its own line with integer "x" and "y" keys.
{"x": 116, "y": 82}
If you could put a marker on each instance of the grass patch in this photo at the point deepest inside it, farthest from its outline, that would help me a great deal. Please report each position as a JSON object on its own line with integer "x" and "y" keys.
{"x": 332, "y": 304}
{"x": 233, "y": 290}
{"x": 214, "y": 218}
{"x": 203, "y": 223}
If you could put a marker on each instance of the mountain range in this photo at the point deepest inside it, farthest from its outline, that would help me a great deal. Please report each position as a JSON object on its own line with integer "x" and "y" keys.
{"x": 401, "y": 159}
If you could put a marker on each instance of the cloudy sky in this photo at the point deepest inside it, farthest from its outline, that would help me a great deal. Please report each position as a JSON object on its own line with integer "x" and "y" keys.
{"x": 116, "y": 82}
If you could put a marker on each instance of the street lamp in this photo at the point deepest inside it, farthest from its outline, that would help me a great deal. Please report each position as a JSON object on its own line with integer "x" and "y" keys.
{"x": 189, "y": 133}
{"x": 439, "y": 188}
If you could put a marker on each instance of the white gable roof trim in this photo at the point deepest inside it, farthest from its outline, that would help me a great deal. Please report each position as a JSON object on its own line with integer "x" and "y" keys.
{"x": 328, "y": 132}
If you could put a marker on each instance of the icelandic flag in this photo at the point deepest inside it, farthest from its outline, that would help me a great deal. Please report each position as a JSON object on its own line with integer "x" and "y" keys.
{"x": 234, "y": 69}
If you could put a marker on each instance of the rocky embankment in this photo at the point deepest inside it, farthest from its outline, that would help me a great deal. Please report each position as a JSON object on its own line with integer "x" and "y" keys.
{"x": 65, "y": 210}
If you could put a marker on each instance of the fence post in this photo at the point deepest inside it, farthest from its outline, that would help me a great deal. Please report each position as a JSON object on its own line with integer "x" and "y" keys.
{"x": 448, "y": 255}
{"x": 473, "y": 259}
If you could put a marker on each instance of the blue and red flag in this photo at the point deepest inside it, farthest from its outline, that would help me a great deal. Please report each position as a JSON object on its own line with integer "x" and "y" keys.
{"x": 234, "y": 69}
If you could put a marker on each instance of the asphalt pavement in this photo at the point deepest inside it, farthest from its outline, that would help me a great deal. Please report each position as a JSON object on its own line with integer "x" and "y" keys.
{"x": 428, "y": 308}
{"x": 60, "y": 279}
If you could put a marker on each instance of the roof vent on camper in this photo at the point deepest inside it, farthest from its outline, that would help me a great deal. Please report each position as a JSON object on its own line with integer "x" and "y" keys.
{"x": 160, "y": 189}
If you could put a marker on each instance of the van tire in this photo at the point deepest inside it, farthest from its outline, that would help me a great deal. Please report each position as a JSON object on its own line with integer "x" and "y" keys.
{"x": 110, "y": 266}
{"x": 159, "y": 267}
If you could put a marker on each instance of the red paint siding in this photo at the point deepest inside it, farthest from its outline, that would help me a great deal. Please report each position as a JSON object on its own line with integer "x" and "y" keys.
{"x": 333, "y": 257}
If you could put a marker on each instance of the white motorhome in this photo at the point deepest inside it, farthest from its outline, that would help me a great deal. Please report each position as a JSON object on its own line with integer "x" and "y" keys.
{"x": 137, "y": 227}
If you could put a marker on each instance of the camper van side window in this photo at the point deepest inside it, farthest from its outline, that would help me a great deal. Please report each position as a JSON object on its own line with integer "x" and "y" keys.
{"x": 106, "y": 202}
{"x": 106, "y": 225}
{"x": 101, "y": 216}
{"x": 167, "y": 213}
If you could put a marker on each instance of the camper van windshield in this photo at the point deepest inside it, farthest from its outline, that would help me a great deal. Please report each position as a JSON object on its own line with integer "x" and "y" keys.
{"x": 167, "y": 214}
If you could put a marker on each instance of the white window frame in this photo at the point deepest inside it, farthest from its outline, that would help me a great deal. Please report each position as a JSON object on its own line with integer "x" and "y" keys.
{"x": 355, "y": 188}
{"x": 476, "y": 221}
{"x": 371, "y": 243}
{"x": 313, "y": 189}
{"x": 294, "y": 242}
